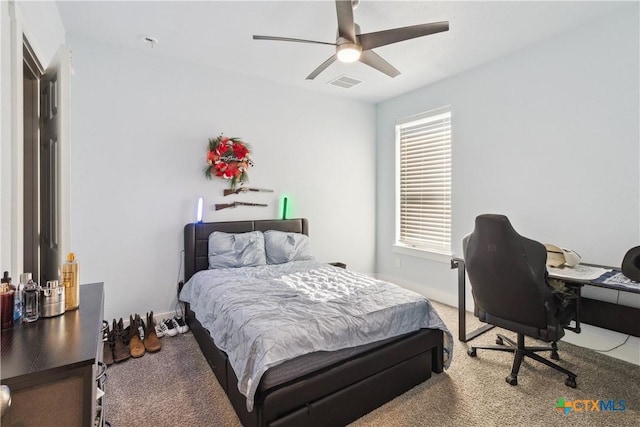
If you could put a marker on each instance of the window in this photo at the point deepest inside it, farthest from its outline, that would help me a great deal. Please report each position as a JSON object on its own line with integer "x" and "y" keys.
{"x": 423, "y": 144}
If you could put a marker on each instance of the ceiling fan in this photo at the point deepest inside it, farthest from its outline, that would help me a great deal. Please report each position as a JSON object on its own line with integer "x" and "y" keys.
{"x": 352, "y": 46}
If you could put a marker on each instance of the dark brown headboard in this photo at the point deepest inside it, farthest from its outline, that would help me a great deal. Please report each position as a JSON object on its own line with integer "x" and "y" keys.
{"x": 196, "y": 237}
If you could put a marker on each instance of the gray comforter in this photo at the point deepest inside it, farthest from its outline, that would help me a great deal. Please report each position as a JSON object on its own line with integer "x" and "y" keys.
{"x": 263, "y": 316}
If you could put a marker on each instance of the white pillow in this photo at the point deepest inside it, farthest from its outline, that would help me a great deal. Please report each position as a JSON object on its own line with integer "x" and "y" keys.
{"x": 231, "y": 250}
{"x": 283, "y": 247}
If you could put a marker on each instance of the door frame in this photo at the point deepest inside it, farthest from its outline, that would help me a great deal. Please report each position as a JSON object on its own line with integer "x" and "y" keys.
{"x": 32, "y": 74}
{"x": 13, "y": 31}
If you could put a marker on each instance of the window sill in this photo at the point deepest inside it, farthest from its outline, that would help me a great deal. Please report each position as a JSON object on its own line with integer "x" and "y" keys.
{"x": 420, "y": 253}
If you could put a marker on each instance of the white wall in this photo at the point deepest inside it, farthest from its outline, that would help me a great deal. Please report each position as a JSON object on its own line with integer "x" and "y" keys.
{"x": 43, "y": 27}
{"x": 547, "y": 136}
{"x": 139, "y": 130}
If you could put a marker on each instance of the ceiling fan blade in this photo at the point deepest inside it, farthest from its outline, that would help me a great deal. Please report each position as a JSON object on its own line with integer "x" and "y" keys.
{"x": 346, "y": 27}
{"x": 382, "y": 38}
{"x": 289, "y": 39}
{"x": 374, "y": 60}
{"x": 321, "y": 67}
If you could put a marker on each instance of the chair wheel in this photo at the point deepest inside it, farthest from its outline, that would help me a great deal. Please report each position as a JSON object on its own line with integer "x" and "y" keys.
{"x": 499, "y": 341}
{"x": 571, "y": 382}
{"x": 472, "y": 352}
{"x": 555, "y": 355}
{"x": 512, "y": 380}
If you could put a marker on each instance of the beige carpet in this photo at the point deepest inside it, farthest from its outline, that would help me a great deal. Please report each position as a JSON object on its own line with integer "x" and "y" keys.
{"x": 176, "y": 387}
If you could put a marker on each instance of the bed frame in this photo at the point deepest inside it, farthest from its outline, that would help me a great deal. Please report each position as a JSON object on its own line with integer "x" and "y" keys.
{"x": 332, "y": 396}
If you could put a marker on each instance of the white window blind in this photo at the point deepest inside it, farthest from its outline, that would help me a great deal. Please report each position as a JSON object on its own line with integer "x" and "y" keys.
{"x": 424, "y": 181}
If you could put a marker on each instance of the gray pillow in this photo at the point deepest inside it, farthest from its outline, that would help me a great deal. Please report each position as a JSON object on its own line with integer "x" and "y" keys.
{"x": 283, "y": 247}
{"x": 229, "y": 250}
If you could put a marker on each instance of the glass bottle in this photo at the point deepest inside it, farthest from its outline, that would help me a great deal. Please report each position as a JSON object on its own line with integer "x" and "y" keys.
{"x": 71, "y": 282}
{"x": 7, "y": 292}
{"x": 31, "y": 303}
{"x": 19, "y": 298}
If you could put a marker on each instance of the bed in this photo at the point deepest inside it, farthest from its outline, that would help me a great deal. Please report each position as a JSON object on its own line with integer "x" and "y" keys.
{"x": 324, "y": 387}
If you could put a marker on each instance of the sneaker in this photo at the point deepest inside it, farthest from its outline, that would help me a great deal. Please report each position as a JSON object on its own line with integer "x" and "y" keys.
{"x": 180, "y": 325}
{"x": 168, "y": 328}
{"x": 159, "y": 331}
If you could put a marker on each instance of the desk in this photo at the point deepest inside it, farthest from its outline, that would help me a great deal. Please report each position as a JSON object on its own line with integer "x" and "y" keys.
{"x": 606, "y": 315}
{"x": 615, "y": 317}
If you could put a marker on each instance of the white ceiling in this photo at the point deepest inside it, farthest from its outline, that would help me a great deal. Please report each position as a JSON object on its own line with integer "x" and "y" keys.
{"x": 218, "y": 33}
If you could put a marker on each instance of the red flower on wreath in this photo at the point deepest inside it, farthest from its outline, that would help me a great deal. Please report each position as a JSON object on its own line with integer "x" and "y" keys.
{"x": 228, "y": 158}
{"x": 240, "y": 151}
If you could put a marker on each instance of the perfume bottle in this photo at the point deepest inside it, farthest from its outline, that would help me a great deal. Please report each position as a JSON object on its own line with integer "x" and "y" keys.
{"x": 19, "y": 296}
{"x": 71, "y": 282}
{"x": 6, "y": 299}
{"x": 31, "y": 302}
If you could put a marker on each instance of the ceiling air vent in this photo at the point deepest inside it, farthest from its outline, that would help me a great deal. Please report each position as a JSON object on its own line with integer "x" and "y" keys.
{"x": 345, "y": 81}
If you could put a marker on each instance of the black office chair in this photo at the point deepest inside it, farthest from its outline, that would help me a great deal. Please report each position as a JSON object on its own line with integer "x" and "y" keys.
{"x": 508, "y": 277}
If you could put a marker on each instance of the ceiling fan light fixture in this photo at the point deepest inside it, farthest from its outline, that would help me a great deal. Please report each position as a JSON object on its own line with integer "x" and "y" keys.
{"x": 351, "y": 45}
{"x": 348, "y": 52}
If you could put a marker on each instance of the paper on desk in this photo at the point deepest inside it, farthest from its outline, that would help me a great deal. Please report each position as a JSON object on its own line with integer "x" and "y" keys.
{"x": 580, "y": 272}
{"x": 619, "y": 280}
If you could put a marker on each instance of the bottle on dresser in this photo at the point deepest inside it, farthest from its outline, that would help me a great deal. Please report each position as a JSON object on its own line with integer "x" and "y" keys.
{"x": 19, "y": 297}
{"x": 7, "y": 291}
{"x": 31, "y": 301}
{"x": 71, "y": 282}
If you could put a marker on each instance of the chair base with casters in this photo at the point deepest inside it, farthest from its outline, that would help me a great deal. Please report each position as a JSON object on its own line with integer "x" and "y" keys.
{"x": 520, "y": 351}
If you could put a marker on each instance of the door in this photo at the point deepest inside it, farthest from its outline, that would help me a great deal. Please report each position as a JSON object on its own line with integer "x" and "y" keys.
{"x": 54, "y": 153}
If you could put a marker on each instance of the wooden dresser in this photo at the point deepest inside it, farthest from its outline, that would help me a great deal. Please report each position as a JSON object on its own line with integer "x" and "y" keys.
{"x": 51, "y": 365}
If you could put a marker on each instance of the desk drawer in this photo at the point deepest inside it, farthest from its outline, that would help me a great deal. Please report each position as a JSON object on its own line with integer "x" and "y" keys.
{"x": 606, "y": 315}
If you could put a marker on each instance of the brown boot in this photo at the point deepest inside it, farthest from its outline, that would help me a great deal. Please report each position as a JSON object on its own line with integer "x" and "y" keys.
{"x": 136, "y": 348}
{"x": 120, "y": 348}
{"x": 151, "y": 341}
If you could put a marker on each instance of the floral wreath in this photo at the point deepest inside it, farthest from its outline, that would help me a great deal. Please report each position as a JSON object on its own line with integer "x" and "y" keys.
{"x": 228, "y": 158}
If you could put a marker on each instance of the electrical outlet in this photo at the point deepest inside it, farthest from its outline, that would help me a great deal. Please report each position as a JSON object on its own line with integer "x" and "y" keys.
{"x": 398, "y": 262}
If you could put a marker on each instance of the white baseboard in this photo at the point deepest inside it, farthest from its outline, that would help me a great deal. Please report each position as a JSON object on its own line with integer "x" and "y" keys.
{"x": 604, "y": 341}
{"x": 158, "y": 317}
